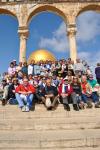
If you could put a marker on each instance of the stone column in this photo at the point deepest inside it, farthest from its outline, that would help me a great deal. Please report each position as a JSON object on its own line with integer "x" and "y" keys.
{"x": 23, "y": 34}
{"x": 71, "y": 30}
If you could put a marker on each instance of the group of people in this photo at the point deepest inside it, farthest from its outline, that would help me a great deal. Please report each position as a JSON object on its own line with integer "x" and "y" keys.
{"x": 51, "y": 83}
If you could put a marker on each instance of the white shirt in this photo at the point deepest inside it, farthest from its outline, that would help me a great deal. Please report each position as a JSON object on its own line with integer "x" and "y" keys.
{"x": 30, "y": 69}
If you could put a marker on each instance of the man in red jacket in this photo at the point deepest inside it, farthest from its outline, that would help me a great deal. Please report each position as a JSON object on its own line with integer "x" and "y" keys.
{"x": 66, "y": 91}
{"x": 24, "y": 94}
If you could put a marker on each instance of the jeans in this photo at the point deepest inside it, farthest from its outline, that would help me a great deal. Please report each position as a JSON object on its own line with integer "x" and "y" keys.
{"x": 73, "y": 97}
{"x": 13, "y": 101}
{"x": 22, "y": 99}
{"x": 93, "y": 96}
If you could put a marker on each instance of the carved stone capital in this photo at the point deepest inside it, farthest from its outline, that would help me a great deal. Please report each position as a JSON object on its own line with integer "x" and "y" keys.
{"x": 71, "y": 30}
{"x": 23, "y": 32}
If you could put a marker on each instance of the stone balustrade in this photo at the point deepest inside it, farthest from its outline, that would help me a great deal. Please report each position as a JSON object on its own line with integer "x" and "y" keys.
{"x": 49, "y": 1}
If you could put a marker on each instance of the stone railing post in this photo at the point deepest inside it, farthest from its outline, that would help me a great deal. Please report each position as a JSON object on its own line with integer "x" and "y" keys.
{"x": 23, "y": 34}
{"x": 71, "y": 31}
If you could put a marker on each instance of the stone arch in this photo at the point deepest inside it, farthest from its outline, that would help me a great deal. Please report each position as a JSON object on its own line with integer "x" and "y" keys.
{"x": 49, "y": 8}
{"x": 90, "y": 7}
{"x": 5, "y": 11}
{"x": 8, "y": 12}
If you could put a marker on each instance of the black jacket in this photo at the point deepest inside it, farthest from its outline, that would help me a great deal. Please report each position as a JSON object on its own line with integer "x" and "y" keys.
{"x": 77, "y": 88}
{"x": 50, "y": 90}
{"x": 10, "y": 91}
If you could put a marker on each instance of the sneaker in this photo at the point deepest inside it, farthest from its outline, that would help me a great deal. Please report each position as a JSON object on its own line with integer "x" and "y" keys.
{"x": 23, "y": 109}
{"x": 89, "y": 104}
{"x": 27, "y": 109}
{"x": 3, "y": 102}
{"x": 32, "y": 108}
{"x": 67, "y": 107}
{"x": 81, "y": 105}
{"x": 75, "y": 106}
{"x": 97, "y": 105}
{"x": 49, "y": 108}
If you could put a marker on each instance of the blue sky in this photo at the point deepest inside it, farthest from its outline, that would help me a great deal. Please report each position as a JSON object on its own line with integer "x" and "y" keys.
{"x": 48, "y": 31}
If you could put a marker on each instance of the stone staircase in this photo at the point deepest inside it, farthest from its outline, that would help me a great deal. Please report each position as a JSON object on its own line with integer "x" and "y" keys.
{"x": 49, "y": 130}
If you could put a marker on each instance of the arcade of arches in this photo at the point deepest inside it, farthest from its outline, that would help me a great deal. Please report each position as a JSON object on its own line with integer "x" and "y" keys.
{"x": 67, "y": 10}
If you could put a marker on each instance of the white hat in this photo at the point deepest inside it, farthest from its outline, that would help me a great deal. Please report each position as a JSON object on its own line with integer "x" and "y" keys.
{"x": 14, "y": 60}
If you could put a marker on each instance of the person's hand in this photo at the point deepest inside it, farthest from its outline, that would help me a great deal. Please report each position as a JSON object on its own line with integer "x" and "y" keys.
{"x": 88, "y": 95}
{"x": 46, "y": 95}
{"x": 13, "y": 91}
{"x": 29, "y": 92}
{"x": 64, "y": 95}
{"x": 25, "y": 93}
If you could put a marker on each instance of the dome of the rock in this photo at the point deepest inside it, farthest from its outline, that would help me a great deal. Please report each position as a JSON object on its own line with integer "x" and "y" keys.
{"x": 41, "y": 55}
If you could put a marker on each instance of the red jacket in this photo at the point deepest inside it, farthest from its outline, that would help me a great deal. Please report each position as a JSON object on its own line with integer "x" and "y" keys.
{"x": 69, "y": 89}
{"x": 23, "y": 88}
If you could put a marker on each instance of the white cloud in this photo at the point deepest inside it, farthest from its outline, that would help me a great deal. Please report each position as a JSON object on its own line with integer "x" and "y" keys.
{"x": 88, "y": 26}
{"x": 61, "y": 31}
{"x": 58, "y": 42}
{"x": 92, "y": 58}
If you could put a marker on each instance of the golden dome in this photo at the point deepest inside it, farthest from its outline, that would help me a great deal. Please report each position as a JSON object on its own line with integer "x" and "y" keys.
{"x": 41, "y": 55}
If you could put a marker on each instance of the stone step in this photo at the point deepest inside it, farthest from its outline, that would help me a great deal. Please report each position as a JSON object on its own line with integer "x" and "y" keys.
{"x": 47, "y": 127}
{"x": 31, "y": 115}
{"x": 40, "y": 107}
{"x": 50, "y": 124}
{"x": 36, "y": 105}
{"x": 9, "y": 112}
{"x": 49, "y": 139}
{"x": 31, "y": 148}
{"x": 18, "y": 148}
